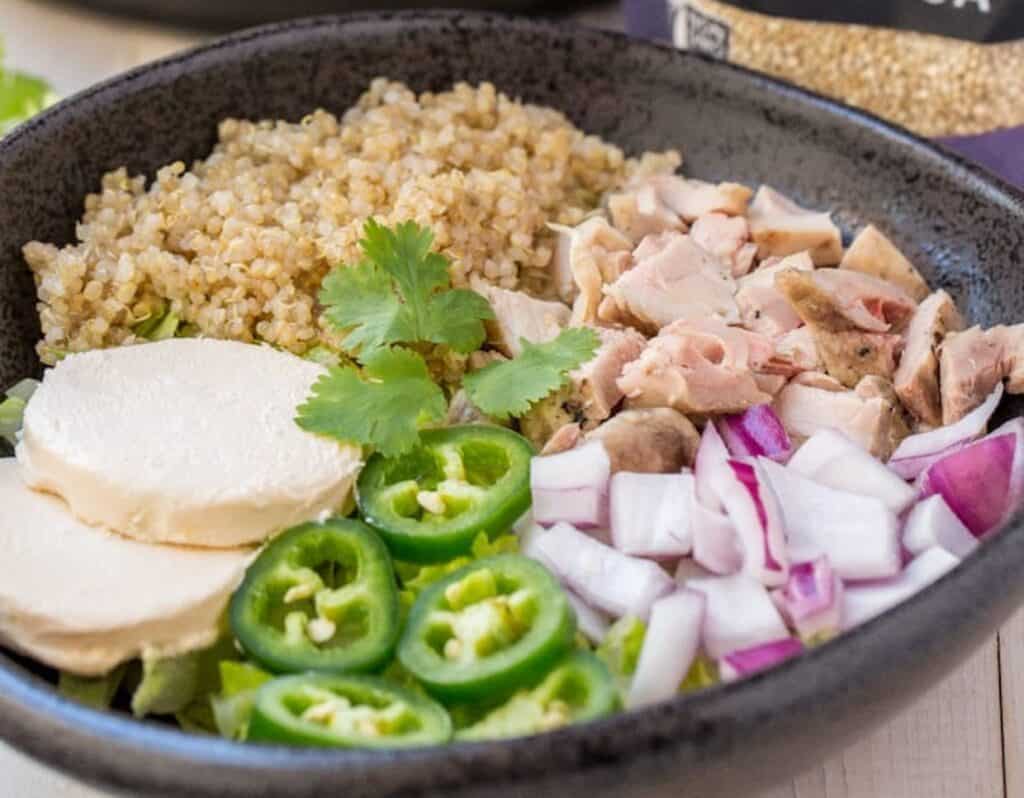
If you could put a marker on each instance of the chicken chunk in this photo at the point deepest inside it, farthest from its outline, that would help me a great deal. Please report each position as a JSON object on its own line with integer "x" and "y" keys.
{"x": 971, "y": 363}
{"x": 763, "y": 307}
{"x": 727, "y": 238}
{"x": 691, "y": 199}
{"x": 698, "y": 367}
{"x": 780, "y": 227}
{"x": 565, "y": 438}
{"x": 796, "y": 352}
{"x": 639, "y": 211}
{"x": 520, "y": 316}
{"x": 656, "y": 440}
{"x": 673, "y": 279}
{"x": 899, "y": 422}
{"x": 917, "y": 378}
{"x": 855, "y": 319}
{"x": 813, "y": 402}
{"x": 596, "y": 254}
{"x": 872, "y": 253}
{"x": 1012, "y": 340}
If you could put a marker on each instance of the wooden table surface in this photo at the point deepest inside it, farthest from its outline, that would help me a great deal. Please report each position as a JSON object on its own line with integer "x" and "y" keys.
{"x": 965, "y": 739}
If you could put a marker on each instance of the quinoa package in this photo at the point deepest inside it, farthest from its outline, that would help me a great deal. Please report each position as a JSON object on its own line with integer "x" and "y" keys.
{"x": 948, "y": 69}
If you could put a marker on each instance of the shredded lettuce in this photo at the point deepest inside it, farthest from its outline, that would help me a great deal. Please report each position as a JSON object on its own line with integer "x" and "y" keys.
{"x": 232, "y": 706}
{"x": 96, "y": 692}
{"x": 12, "y": 409}
{"x": 168, "y": 684}
{"x": 703, "y": 673}
{"x": 163, "y": 323}
{"x": 620, "y": 649}
{"x": 21, "y": 97}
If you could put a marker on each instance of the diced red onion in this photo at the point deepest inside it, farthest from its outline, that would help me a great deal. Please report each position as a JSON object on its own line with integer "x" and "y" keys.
{"x": 670, "y": 646}
{"x": 572, "y": 486}
{"x": 811, "y": 600}
{"x": 832, "y": 459}
{"x": 754, "y": 511}
{"x": 859, "y": 534}
{"x": 650, "y": 514}
{"x": 711, "y": 454}
{"x": 975, "y": 481}
{"x": 739, "y": 614}
{"x": 863, "y": 602}
{"x": 756, "y": 432}
{"x": 749, "y": 661}
{"x": 932, "y": 523}
{"x": 603, "y": 577}
{"x": 687, "y": 569}
{"x": 593, "y": 623}
{"x": 916, "y": 452}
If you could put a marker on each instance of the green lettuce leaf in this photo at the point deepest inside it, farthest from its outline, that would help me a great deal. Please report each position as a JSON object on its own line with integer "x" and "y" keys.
{"x": 95, "y": 692}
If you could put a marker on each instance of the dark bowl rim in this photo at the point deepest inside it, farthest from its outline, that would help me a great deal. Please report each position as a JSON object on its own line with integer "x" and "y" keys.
{"x": 29, "y": 701}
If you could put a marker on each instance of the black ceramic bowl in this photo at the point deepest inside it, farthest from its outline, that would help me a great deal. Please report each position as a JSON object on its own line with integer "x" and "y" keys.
{"x": 964, "y": 228}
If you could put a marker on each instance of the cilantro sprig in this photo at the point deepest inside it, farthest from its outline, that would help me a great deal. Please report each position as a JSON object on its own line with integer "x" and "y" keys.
{"x": 509, "y": 387}
{"x": 398, "y": 297}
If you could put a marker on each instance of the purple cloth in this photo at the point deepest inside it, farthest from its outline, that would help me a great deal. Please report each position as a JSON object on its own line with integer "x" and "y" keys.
{"x": 1001, "y": 151}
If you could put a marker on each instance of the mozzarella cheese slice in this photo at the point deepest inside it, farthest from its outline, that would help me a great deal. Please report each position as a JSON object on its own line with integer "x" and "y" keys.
{"x": 82, "y": 599}
{"x": 187, "y": 440}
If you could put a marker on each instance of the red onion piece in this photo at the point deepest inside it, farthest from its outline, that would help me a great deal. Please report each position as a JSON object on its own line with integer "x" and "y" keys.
{"x": 739, "y": 614}
{"x": 756, "y": 432}
{"x": 832, "y": 459}
{"x": 651, "y": 514}
{"x": 572, "y": 486}
{"x": 811, "y": 600}
{"x": 754, "y": 511}
{"x": 932, "y": 523}
{"x": 916, "y": 452}
{"x": 670, "y": 646}
{"x": 758, "y": 658}
{"x": 711, "y": 454}
{"x": 586, "y": 508}
{"x": 975, "y": 481}
{"x": 863, "y": 602}
{"x": 603, "y": 577}
{"x": 688, "y": 568}
{"x": 716, "y": 546}
{"x": 859, "y": 534}
{"x": 592, "y": 623}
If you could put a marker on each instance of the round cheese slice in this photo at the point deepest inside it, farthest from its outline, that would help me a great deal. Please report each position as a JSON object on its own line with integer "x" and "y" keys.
{"x": 82, "y": 599}
{"x": 188, "y": 440}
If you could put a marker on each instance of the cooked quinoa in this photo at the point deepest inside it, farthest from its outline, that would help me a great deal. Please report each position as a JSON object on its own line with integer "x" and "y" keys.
{"x": 237, "y": 245}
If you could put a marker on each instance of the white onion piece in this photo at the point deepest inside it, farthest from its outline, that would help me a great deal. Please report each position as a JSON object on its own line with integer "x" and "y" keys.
{"x": 739, "y": 614}
{"x": 916, "y": 452}
{"x": 754, "y": 511}
{"x": 586, "y": 508}
{"x": 859, "y": 534}
{"x": 863, "y": 602}
{"x": 711, "y": 454}
{"x": 756, "y": 432}
{"x": 604, "y": 578}
{"x": 650, "y": 514}
{"x": 981, "y": 481}
{"x": 591, "y": 622}
{"x": 811, "y": 601}
{"x": 749, "y": 661}
{"x": 586, "y": 466}
{"x": 670, "y": 646}
{"x": 832, "y": 459}
{"x": 932, "y": 523}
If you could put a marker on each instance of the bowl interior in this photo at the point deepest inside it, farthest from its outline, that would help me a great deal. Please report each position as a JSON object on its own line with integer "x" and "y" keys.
{"x": 964, "y": 230}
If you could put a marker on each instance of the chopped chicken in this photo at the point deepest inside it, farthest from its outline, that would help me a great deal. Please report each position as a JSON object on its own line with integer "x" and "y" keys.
{"x": 699, "y": 367}
{"x": 518, "y": 316}
{"x": 796, "y": 352}
{"x": 763, "y": 307}
{"x": 565, "y": 438}
{"x": 872, "y": 387}
{"x": 971, "y": 363}
{"x": 640, "y": 211}
{"x": 597, "y": 254}
{"x": 770, "y": 383}
{"x": 463, "y": 411}
{"x": 780, "y": 227}
{"x": 1012, "y": 340}
{"x": 851, "y": 315}
{"x": 692, "y": 199}
{"x": 727, "y": 238}
{"x": 593, "y": 390}
{"x": 673, "y": 279}
{"x": 656, "y": 440}
{"x": 872, "y": 253}
{"x": 917, "y": 378}
{"x": 812, "y": 402}
{"x": 483, "y": 357}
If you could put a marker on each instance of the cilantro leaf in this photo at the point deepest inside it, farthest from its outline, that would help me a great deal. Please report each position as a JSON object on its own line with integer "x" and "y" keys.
{"x": 384, "y": 407}
{"x": 401, "y": 293}
{"x": 508, "y": 388}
